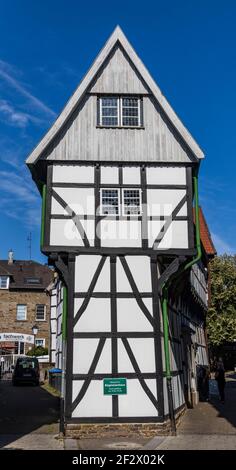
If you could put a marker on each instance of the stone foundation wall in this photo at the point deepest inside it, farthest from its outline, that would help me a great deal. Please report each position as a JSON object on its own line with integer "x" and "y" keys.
{"x": 103, "y": 430}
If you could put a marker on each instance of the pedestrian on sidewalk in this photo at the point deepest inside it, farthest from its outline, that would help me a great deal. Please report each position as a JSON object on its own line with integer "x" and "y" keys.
{"x": 220, "y": 378}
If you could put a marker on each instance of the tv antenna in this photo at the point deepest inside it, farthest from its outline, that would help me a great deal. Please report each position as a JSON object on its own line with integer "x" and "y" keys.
{"x": 29, "y": 240}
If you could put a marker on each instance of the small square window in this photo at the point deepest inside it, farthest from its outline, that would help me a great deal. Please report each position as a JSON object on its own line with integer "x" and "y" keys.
{"x": 109, "y": 202}
{"x": 131, "y": 202}
{"x": 131, "y": 112}
{"x": 40, "y": 342}
{"x": 118, "y": 111}
{"x": 40, "y": 312}
{"x": 21, "y": 312}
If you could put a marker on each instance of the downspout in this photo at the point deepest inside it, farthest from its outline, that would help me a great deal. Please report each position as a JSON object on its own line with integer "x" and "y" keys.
{"x": 165, "y": 316}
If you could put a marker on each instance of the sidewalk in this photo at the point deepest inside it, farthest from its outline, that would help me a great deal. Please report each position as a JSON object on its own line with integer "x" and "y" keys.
{"x": 211, "y": 425}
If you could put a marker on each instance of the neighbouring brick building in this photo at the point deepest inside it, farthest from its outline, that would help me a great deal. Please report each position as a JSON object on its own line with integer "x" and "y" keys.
{"x": 23, "y": 304}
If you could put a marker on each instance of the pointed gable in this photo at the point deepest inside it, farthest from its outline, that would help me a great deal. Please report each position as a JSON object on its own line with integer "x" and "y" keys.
{"x": 117, "y": 66}
{"x": 118, "y": 75}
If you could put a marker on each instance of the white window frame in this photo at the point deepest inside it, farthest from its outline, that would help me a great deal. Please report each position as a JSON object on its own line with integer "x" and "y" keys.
{"x": 40, "y": 339}
{"x": 101, "y": 204}
{"x": 7, "y": 283}
{"x": 140, "y": 202}
{"x": 44, "y": 318}
{"x": 21, "y": 305}
{"x": 119, "y": 111}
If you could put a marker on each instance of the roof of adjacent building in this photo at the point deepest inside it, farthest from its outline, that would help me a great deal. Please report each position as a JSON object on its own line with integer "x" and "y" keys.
{"x": 28, "y": 275}
{"x": 206, "y": 239}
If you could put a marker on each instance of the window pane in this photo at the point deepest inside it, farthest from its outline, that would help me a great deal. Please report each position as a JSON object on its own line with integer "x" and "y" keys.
{"x": 130, "y": 111}
{"x": 3, "y": 282}
{"x": 39, "y": 342}
{"x": 131, "y": 202}
{"x": 21, "y": 312}
{"x": 110, "y": 201}
{"x": 40, "y": 312}
{"x": 109, "y": 111}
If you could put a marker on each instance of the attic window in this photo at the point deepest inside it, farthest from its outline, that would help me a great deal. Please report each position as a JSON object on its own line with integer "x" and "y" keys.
{"x": 120, "y": 111}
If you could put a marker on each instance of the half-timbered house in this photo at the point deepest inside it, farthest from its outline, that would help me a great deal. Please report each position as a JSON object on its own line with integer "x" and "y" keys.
{"x": 118, "y": 175}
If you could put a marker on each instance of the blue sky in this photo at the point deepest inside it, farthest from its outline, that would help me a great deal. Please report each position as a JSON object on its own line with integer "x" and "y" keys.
{"x": 47, "y": 46}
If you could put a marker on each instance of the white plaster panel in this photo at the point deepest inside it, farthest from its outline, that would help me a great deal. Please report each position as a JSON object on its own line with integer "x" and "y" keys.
{"x": 164, "y": 201}
{"x": 85, "y": 267}
{"x": 94, "y": 403}
{"x": 130, "y": 317}
{"x": 124, "y": 364}
{"x": 120, "y": 233}
{"x": 122, "y": 282}
{"x": 104, "y": 363}
{"x": 96, "y": 317}
{"x": 103, "y": 282}
{"x": 109, "y": 175}
{"x": 131, "y": 175}
{"x": 65, "y": 232}
{"x": 141, "y": 272}
{"x": 83, "y": 354}
{"x": 166, "y": 175}
{"x": 80, "y": 200}
{"x": 136, "y": 403}
{"x": 144, "y": 353}
{"x": 73, "y": 174}
{"x": 176, "y": 236}
{"x": 154, "y": 228}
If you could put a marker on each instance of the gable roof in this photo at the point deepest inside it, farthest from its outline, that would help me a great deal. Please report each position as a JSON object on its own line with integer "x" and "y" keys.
{"x": 205, "y": 235}
{"x": 21, "y": 271}
{"x": 116, "y": 37}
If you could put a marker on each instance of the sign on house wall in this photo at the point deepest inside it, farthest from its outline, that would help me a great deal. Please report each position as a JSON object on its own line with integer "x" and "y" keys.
{"x": 16, "y": 337}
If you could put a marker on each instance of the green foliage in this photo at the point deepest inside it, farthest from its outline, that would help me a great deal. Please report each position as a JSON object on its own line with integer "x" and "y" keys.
{"x": 221, "y": 319}
{"x": 38, "y": 351}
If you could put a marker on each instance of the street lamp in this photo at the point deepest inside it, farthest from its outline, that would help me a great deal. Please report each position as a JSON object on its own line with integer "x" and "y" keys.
{"x": 35, "y": 332}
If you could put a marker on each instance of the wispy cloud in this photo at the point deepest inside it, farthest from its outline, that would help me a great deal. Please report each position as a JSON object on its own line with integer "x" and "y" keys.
{"x": 20, "y": 199}
{"x": 7, "y": 74}
{"x": 16, "y": 118}
{"x": 221, "y": 245}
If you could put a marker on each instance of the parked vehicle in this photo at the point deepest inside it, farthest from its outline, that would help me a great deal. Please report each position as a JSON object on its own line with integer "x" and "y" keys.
{"x": 26, "y": 371}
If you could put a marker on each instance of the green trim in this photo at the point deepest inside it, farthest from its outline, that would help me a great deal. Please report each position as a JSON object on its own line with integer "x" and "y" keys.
{"x": 64, "y": 313}
{"x": 43, "y": 215}
{"x": 197, "y": 226}
{"x": 166, "y": 331}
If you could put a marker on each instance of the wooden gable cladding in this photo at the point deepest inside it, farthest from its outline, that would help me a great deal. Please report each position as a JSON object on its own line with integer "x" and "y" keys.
{"x": 75, "y": 136}
{"x": 118, "y": 75}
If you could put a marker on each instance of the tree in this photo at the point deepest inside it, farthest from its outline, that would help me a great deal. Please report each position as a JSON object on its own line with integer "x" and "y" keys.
{"x": 38, "y": 351}
{"x": 221, "y": 318}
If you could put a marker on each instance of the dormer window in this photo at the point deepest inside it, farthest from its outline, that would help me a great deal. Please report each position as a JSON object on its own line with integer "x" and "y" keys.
{"x": 4, "y": 282}
{"x": 119, "y": 111}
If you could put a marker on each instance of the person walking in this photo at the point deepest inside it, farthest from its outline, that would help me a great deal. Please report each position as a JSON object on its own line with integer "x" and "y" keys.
{"x": 220, "y": 378}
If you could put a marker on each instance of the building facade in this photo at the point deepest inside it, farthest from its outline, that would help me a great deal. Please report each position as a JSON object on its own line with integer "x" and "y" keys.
{"x": 23, "y": 304}
{"x": 118, "y": 174}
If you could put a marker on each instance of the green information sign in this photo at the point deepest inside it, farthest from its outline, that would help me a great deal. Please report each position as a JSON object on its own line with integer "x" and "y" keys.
{"x": 114, "y": 386}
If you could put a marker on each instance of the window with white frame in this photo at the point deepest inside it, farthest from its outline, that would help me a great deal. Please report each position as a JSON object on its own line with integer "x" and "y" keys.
{"x": 120, "y": 111}
{"x": 109, "y": 112}
{"x": 110, "y": 202}
{"x": 4, "y": 282}
{"x": 131, "y": 202}
{"x": 21, "y": 312}
{"x": 40, "y": 342}
{"x": 40, "y": 312}
{"x": 130, "y": 108}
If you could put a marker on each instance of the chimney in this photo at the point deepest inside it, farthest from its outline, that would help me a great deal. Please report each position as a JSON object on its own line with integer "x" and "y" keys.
{"x": 10, "y": 256}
